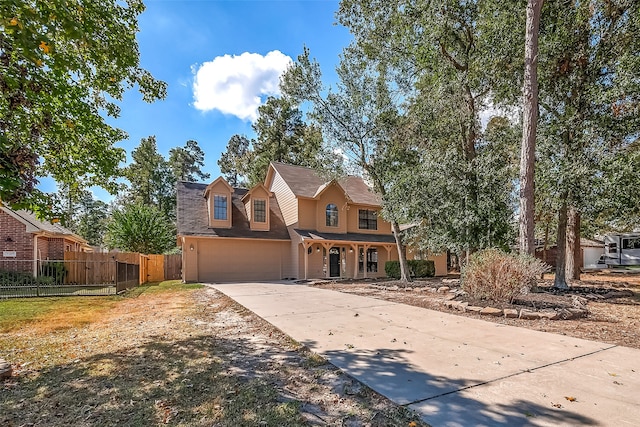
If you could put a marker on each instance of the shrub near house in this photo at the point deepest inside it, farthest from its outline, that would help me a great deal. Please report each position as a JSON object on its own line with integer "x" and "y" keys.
{"x": 497, "y": 276}
{"x": 417, "y": 268}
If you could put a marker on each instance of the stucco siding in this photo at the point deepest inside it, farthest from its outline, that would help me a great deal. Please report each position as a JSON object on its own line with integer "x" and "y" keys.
{"x": 315, "y": 263}
{"x": 439, "y": 260}
{"x": 307, "y": 212}
{"x": 233, "y": 260}
{"x": 332, "y": 195}
{"x": 353, "y": 223}
{"x": 286, "y": 199}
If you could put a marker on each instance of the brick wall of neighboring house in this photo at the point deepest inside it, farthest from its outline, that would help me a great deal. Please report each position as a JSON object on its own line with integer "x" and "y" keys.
{"x": 43, "y": 248}
{"x": 14, "y": 237}
{"x": 56, "y": 249}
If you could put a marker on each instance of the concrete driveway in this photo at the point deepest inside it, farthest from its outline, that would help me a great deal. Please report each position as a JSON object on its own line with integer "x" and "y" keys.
{"x": 453, "y": 370}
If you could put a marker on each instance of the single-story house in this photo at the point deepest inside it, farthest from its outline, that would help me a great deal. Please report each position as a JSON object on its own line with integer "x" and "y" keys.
{"x": 295, "y": 225}
{"x": 25, "y": 240}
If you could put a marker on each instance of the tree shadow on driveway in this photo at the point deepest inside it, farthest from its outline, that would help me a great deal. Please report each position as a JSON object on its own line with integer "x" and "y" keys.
{"x": 444, "y": 401}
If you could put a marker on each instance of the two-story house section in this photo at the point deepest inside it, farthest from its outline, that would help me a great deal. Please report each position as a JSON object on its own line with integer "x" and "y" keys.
{"x": 334, "y": 226}
{"x": 230, "y": 234}
{"x": 295, "y": 225}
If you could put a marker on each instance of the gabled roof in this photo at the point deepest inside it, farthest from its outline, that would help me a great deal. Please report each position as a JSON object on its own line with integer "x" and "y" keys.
{"x": 217, "y": 180}
{"x": 327, "y": 185}
{"x": 304, "y": 182}
{"x": 193, "y": 215}
{"x": 307, "y": 183}
{"x": 255, "y": 187}
{"x": 34, "y": 225}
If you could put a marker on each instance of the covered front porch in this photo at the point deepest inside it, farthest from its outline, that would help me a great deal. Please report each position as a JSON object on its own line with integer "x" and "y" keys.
{"x": 349, "y": 256}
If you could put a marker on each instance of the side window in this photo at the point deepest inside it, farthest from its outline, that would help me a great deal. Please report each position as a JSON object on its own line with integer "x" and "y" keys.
{"x": 371, "y": 260}
{"x": 367, "y": 220}
{"x": 259, "y": 210}
{"x": 220, "y": 207}
{"x": 332, "y": 215}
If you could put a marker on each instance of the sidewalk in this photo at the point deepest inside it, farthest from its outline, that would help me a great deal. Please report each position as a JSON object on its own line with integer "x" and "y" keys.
{"x": 454, "y": 370}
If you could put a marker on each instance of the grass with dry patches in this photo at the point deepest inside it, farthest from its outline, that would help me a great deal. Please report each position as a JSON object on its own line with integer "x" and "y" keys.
{"x": 169, "y": 354}
{"x": 67, "y": 312}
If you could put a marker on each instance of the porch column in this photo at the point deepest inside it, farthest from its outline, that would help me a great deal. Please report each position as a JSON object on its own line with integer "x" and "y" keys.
{"x": 327, "y": 246}
{"x": 306, "y": 246}
{"x": 355, "y": 258}
{"x": 364, "y": 259}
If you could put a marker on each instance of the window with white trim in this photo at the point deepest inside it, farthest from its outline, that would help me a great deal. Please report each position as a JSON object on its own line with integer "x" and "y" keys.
{"x": 220, "y": 207}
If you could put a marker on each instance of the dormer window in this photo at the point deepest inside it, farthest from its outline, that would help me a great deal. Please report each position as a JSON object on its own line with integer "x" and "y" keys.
{"x": 260, "y": 210}
{"x": 332, "y": 215}
{"x": 220, "y": 207}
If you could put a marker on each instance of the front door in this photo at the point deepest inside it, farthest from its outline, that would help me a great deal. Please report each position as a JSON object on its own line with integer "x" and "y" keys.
{"x": 334, "y": 262}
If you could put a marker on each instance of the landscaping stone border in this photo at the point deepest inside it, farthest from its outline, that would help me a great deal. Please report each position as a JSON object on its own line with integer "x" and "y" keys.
{"x": 527, "y": 314}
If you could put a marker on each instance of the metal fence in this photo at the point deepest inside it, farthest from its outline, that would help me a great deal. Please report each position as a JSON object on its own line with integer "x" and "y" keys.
{"x": 28, "y": 278}
{"x": 127, "y": 275}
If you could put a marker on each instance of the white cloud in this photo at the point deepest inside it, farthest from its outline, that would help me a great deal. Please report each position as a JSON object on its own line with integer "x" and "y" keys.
{"x": 490, "y": 111}
{"x": 234, "y": 84}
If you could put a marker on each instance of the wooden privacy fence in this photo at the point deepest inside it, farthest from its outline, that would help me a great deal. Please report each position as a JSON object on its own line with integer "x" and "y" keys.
{"x": 173, "y": 267}
{"x": 119, "y": 269}
{"x": 85, "y": 274}
{"x": 101, "y": 267}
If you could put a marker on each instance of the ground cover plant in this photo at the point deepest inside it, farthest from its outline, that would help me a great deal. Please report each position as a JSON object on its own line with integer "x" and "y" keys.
{"x": 169, "y": 354}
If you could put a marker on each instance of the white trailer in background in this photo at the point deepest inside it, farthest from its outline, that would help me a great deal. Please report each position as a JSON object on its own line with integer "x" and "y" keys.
{"x": 622, "y": 249}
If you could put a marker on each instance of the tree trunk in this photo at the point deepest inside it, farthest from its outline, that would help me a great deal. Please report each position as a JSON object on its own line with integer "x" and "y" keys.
{"x": 561, "y": 280}
{"x": 529, "y": 127}
{"x": 573, "y": 250}
{"x": 402, "y": 253}
{"x": 569, "y": 266}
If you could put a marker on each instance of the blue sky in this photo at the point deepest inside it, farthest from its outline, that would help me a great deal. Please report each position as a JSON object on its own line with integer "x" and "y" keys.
{"x": 217, "y": 57}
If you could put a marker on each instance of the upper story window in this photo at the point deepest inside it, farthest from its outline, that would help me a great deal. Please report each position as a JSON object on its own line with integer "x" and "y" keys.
{"x": 332, "y": 215}
{"x": 367, "y": 220}
{"x": 220, "y": 207}
{"x": 259, "y": 210}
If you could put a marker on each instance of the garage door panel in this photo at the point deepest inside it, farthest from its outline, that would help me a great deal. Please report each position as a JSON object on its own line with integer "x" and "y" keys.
{"x": 225, "y": 261}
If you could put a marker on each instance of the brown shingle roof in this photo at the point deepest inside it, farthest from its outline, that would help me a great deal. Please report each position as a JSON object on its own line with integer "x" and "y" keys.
{"x": 353, "y": 237}
{"x": 306, "y": 182}
{"x": 193, "y": 217}
{"x": 31, "y": 219}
